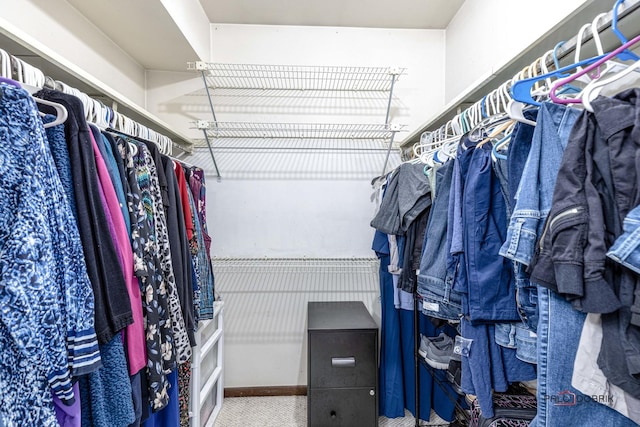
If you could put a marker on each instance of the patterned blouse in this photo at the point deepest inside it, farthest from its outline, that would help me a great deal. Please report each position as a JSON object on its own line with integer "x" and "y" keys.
{"x": 159, "y": 336}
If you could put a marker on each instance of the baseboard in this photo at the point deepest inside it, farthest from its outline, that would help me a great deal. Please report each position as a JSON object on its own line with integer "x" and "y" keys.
{"x": 293, "y": 390}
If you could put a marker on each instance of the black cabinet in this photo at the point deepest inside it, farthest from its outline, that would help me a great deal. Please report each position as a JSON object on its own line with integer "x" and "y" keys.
{"x": 342, "y": 365}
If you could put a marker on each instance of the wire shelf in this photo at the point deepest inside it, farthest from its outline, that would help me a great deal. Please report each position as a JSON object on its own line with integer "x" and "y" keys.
{"x": 326, "y": 131}
{"x": 289, "y": 274}
{"x": 275, "y": 145}
{"x": 266, "y": 299}
{"x": 296, "y": 77}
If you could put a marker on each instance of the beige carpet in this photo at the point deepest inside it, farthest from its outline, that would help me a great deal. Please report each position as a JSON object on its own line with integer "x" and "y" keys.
{"x": 288, "y": 411}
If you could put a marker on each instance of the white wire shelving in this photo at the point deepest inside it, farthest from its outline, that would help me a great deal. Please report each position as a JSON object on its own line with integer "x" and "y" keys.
{"x": 304, "y": 131}
{"x": 297, "y": 77}
{"x": 298, "y": 81}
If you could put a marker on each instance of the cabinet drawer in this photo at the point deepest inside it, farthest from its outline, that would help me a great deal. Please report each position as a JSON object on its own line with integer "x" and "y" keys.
{"x": 342, "y": 407}
{"x": 342, "y": 359}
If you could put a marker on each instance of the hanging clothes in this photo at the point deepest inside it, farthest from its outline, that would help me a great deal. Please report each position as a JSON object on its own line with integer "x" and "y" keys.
{"x": 192, "y": 241}
{"x": 159, "y": 333}
{"x": 106, "y": 393}
{"x": 181, "y": 257}
{"x": 160, "y": 182}
{"x": 40, "y": 247}
{"x": 134, "y": 333}
{"x": 112, "y": 303}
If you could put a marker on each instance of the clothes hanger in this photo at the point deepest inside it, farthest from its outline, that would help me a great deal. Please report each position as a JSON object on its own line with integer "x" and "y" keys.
{"x": 61, "y": 112}
{"x": 579, "y": 42}
{"x": 591, "y": 67}
{"x": 496, "y": 132}
{"x": 515, "y": 109}
{"x": 521, "y": 90}
{"x": 10, "y": 82}
{"x": 593, "y": 89}
{"x": 5, "y": 65}
{"x": 495, "y": 154}
{"x": 626, "y": 55}
{"x": 609, "y": 67}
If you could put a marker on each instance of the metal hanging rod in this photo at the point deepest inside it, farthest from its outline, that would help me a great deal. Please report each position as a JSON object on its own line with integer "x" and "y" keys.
{"x": 297, "y": 77}
{"x": 327, "y": 131}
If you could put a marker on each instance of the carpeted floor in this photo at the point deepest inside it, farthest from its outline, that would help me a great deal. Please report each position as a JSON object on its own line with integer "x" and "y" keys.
{"x": 287, "y": 411}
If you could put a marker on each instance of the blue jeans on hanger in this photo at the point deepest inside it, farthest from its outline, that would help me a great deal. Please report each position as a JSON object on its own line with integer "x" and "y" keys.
{"x": 439, "y": 300}
{"x": 491, "y": 291}
{"x": 559, "y": 404}
{"x": 486, "y": 366}
{"x": 455, "y": 227}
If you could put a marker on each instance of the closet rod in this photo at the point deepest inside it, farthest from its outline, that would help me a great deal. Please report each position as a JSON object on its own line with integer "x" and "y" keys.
{"x": 628, "y": 8}
{"x": 22, "y": 71}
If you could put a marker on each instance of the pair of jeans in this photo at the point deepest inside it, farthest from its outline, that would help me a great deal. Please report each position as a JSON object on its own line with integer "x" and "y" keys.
{"x": 519, "y": 148}
{"x": 491, "y": 292}
{"x": 439, "y": 300}
{"x": 455, "y": 243}
{"x": 526, "y": 294}
{"x": 535, "y": 190}
{"x": 517, "y": 155}
{"x": 517, "y": 336}
{"x": 559, "y": 404}
{"x": 486, "y": 366}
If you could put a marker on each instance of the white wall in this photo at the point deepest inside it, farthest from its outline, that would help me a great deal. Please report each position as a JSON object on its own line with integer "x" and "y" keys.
{"x": 299, "y": 218}
{"x": 420, "y": 51}
{"x": 485, "y": 34}
{"x": 60, "y": 32}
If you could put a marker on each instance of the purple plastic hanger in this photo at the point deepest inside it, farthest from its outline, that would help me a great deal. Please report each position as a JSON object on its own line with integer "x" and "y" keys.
{"x": 558, "y": 84}
{"x": 9, "y": 82}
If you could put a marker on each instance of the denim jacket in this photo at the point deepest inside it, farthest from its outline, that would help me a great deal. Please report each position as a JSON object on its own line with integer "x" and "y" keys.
{"x": 535, "y": 192}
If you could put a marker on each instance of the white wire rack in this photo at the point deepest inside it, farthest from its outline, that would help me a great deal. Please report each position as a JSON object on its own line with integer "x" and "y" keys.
{"x": 327, "y": 131}
{"x": 255, "y": 163}
{"x": 296, "y": 77}
{"x": 297, "y": 80}
{"x": 266, "y": 299}
{"x": 277, "y": 266}
{"x": 276, "y": 145}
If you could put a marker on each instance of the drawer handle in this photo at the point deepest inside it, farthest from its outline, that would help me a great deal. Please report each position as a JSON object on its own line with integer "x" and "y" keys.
{"x": 343, "y": 362}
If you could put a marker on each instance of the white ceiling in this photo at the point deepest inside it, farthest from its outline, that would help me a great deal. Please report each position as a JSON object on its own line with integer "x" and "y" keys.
{"x": 150, "y": 36}
{"x": 425, "y": 14}
{"x": 142, "y": 28}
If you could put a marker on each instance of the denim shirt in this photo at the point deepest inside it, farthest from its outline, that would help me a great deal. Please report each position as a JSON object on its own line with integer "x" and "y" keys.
{"x": 535, "y": 192}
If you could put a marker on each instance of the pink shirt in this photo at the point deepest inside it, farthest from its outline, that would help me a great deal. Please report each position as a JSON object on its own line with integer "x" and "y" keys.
{"x": 134, "y": 333}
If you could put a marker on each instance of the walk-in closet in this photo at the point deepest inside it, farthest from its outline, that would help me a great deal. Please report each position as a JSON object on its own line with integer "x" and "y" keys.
{"x": 319, "y": 213}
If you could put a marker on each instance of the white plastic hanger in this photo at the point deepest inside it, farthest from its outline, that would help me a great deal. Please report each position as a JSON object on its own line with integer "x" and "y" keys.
{"x": 61, "y": 112}
{"x": 610, "y": 66}
{"x": 5, "y": 64}
{"x": 593, "y": 89}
